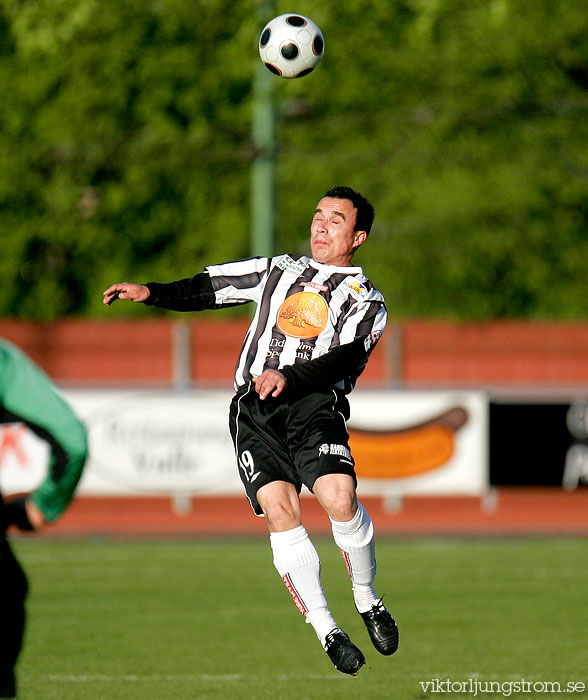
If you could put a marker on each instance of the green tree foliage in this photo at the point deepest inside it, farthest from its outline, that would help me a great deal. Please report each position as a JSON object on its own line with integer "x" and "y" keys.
{"x": 126, "y": 149}
{"x": 126, "y": 132}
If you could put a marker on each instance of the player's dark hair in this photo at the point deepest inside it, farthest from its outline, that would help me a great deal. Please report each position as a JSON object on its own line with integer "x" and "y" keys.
{"x": 365, "y": 211}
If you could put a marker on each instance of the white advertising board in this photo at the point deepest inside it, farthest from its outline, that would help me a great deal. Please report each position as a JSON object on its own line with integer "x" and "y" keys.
{"x": 23, "y": 459}
{"x": 165, "y": 442}
{"x": 157, "y": 442}
{"x": 420, "y": 442}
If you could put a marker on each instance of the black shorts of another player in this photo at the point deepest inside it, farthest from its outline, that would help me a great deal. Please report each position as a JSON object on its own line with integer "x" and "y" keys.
{"x": 13, "y": 591}
{"x": 296, "y": 440}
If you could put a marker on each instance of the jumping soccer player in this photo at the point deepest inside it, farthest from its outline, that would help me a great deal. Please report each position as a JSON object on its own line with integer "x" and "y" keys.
{"x": 29, "y": 397}
{"x": 316, "y": 323}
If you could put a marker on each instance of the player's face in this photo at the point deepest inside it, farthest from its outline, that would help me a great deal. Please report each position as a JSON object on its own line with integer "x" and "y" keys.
{"x": 333, "y": 238}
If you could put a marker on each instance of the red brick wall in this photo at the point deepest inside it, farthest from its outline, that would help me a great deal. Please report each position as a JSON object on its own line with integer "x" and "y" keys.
{"x": 97, "y": 351}
{"x": 415, "y": 352}
{"x": 495, "y": 353}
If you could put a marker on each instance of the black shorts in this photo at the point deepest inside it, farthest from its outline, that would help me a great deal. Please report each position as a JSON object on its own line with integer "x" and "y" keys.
{"x": 293, "y": 440}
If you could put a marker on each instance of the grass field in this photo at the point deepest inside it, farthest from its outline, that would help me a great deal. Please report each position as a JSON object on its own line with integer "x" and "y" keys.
{"x": 211, "y": 620}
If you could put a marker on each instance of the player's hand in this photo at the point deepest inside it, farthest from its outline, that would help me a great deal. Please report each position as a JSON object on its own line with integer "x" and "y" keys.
{"x": 36, "y": 518}
{"x": 271, "y": 382}
{"x": 125, "y": 290}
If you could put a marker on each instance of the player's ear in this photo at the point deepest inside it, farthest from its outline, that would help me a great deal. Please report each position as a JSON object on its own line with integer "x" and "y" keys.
{"x": 360, "y": 237}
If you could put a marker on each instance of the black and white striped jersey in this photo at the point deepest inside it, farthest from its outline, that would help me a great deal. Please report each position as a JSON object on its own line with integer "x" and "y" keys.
{"x": 305, "y": 311}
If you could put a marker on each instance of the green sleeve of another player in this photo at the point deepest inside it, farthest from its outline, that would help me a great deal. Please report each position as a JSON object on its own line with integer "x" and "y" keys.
{"x": 27, "y": 395}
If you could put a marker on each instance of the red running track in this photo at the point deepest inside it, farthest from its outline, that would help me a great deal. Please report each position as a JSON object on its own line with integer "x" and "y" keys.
{"x": 507, "y": 512}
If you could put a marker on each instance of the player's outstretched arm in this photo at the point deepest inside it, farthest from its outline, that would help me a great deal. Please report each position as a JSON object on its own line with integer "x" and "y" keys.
{"x": 126, "y": 290}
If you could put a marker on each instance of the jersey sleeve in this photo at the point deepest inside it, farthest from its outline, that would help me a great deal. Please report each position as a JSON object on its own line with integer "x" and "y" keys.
{"x": 29, "y": 396}
{"x": 190, "y": 294}
{"x": 239, "y": 282}
{"x": 325, "y": 372}
{"x": 219, "y": 286}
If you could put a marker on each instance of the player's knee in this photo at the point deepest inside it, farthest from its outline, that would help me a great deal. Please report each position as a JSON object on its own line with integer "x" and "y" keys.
{"x": 281, "y": 516}
{"x": 341, "y": 506}
{"x": 336, "y": 494}
{"x": 280, "y": 504}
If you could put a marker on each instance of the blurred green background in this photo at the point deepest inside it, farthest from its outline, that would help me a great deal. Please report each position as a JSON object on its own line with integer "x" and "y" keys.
{"x": 126, "y": 148}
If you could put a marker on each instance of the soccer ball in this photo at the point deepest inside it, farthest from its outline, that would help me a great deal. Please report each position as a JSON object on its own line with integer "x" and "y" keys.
{"x": 291, "y": 45}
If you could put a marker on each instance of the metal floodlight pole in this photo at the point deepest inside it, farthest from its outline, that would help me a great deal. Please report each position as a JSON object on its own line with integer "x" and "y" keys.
{"x": 263, "y": 200}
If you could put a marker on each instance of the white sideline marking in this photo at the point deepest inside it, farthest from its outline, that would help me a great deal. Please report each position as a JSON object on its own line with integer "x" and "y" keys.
{"x": 188, "y": 677}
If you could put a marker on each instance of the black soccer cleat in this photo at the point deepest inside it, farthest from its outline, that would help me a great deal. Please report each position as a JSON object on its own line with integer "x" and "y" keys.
{"x": 346, "y": 657}
{"x": 382, "y": 628}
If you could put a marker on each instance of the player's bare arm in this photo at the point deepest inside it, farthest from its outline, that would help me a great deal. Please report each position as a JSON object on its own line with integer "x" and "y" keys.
{"x": 271, "y": 381}
{"x": 126, "y": 290}
{"x": 36, "y": 518}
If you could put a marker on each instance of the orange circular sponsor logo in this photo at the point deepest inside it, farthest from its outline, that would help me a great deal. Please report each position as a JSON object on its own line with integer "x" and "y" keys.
{"x": 303, "y": 315}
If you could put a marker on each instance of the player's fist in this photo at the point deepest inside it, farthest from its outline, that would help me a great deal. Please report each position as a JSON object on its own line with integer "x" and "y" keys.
{"x": 126, "y": 290}
{"x": 271, "y": 381}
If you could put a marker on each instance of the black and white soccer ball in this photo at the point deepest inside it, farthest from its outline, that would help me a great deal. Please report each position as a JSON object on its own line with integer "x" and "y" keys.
{"x": 291, "y": 45}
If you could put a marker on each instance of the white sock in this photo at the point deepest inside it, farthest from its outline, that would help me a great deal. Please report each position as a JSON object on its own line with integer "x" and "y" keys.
{"x": 355, "y": 539}
{"x": 298, "y": 564}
